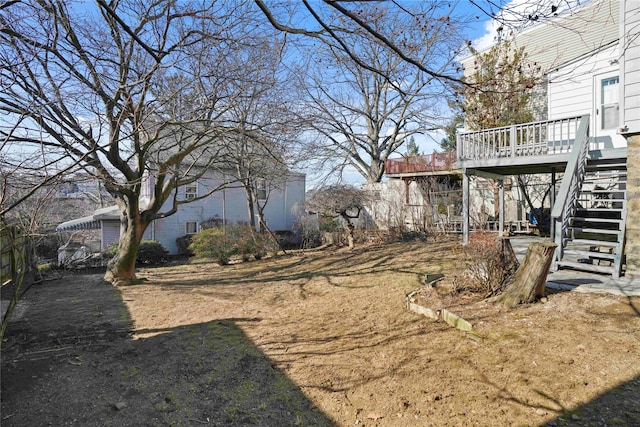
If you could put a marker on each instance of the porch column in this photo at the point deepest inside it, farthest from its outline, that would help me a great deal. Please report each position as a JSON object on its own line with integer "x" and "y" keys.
{"x": 501, "y": 207}
{"x": 552, "y": 202}
{"x": 465, "y": 207}
{"x": 632, "y": 246}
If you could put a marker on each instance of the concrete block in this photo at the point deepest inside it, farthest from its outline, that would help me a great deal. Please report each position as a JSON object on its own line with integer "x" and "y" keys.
{"x": 456, "y": 321}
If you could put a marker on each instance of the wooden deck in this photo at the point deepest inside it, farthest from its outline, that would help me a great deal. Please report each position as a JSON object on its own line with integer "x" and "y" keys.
{"x": 535, "y": 147}
{"x": 429, "y": 164}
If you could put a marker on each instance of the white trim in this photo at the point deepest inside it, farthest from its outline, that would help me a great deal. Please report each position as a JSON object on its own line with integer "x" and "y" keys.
{"x": 186, "y": 227}
{"x": 189, "y": 195}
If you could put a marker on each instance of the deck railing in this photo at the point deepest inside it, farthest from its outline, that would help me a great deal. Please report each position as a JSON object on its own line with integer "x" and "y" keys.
{"x": 567, "y": 196}
{"x": 435, "y": 162}
{"x": 528, "y": 139}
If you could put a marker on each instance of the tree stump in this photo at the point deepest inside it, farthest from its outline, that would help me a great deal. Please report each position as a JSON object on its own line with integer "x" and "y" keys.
{"x": 531, "y": 277}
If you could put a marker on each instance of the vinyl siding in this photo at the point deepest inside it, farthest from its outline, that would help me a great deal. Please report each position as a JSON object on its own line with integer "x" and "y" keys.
{"x": 571, "y": 88}
{"x": 111, "y": 233}
{"x": 231, "y": 205}
{"x": 568, "y": 36}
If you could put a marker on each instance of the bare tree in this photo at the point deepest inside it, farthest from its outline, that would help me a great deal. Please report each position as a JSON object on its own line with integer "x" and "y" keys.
{"x": 104, "y": 87}
{"x": 339, "y": 201}
{"x": 362, "y": 114}
{"x": 332, "y": 23}
{"x": 259, "y": 154}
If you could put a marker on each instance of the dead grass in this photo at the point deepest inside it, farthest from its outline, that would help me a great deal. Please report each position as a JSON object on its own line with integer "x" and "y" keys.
{"x": 335, "y": 323}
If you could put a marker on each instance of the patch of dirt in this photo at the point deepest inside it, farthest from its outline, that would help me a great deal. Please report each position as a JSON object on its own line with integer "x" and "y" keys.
{"x": 315, "y": 338}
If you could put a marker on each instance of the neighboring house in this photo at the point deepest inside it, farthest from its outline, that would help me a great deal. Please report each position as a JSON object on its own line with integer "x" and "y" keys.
{"x": 226, "y": 206}
{"x": 422, "y": 193}
{"x": 425, "y": 193}
{"x": 588, "y": 146}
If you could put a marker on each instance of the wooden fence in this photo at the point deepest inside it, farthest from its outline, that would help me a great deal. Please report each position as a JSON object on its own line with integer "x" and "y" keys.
{"x": 15, "y": 263}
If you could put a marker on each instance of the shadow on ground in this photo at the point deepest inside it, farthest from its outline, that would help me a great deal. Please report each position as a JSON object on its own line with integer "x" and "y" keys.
{"x": 619, "y": 406}
{"x": 68, "y": 359}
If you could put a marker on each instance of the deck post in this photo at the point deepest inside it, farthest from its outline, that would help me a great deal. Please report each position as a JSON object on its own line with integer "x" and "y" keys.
{"x": 552, "y": 200}
{"x": 501, "y": 207}
{"x": 465, "y": 207}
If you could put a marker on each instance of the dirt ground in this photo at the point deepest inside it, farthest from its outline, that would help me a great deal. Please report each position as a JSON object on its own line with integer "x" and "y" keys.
{"x": 314, "y": 338}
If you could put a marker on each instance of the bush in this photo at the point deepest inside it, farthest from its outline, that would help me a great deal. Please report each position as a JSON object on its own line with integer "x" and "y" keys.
{"x": 212, "y": 243}
{"x": 222, "y": 243}
{"x": 150, "y": 252}
{"x": 489, "y": 266}
{"x": 182, "y": 243}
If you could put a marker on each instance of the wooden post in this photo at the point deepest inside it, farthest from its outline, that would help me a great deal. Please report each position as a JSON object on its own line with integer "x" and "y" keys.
{"x": 531, "y": 277}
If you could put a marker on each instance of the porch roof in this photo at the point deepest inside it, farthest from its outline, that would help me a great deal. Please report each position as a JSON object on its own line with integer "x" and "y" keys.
{"x": 92, "y": 222}
{"x": 84, "y": 223}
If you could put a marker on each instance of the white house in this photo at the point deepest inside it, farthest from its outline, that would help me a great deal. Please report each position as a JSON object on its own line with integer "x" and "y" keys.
{"x": 587, "y": 145}
{"x": 227, "y": 205}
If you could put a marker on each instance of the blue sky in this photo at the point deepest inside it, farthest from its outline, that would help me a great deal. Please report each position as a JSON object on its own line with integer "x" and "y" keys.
{"x": 481, "y": 32}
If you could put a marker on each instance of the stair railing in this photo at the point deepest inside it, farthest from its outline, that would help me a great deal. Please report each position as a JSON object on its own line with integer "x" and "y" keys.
{"x": 567, "y": 196}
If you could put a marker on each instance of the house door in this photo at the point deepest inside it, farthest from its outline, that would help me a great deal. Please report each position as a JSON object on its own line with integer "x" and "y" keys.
{"x": 607, "y": 109}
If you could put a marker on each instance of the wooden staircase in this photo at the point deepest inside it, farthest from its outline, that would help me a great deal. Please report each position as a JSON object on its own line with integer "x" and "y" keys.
{"x": 593, "y": 239}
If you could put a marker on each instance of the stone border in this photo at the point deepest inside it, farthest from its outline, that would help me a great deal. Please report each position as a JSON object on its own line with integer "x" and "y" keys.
{"x": 449, "y": 317}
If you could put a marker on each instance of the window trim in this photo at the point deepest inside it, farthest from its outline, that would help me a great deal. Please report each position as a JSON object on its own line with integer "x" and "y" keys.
{"x": 186, "y": 227}
{"x": 261, "y": 189}
{"x": 189, "y": 195}
{"x": 610, "y": 115}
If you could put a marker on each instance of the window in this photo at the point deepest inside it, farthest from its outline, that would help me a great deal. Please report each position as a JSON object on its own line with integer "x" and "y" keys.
{"x": 190, "y": 227}
{"x": 609, "y": 102}
{"x": 191, "y": 191}
{"x": 261, "y": 189}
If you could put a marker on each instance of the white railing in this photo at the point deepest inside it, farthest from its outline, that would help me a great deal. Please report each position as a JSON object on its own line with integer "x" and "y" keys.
{"x": 524, "y": 140}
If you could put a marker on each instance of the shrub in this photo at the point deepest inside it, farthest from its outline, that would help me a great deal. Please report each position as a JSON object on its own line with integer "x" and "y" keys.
{"x": 489, "y": 266}
{"x": 222, "y": 243}
{"x": 212, "y": 243}
{"x": 182, "y": 243}
{"x": 150, "y": 252}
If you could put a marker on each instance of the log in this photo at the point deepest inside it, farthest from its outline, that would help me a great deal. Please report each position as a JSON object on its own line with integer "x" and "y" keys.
{"x": 530, "y": 279}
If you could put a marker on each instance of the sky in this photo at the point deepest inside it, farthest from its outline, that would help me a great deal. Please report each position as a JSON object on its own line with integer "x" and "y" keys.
{"x": 482, "y": 34}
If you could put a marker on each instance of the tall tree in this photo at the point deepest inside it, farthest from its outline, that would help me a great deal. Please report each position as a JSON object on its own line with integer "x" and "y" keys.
{"x": 500, "y": 87}
{"x": 449, "y": 142}
{"x": 131, "y": 91}
{"x": 362, "y": 114}
{"x": 261, "y": 151}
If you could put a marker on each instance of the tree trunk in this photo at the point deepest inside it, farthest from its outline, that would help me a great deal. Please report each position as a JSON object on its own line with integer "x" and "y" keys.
{"x": 531, "y": 277}
{"x": 350, "y": 231}
{"x": 121, "y": 269}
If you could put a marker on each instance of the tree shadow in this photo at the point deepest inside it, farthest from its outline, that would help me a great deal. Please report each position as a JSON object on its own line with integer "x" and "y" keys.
{"x": 61, "y": 366}
{"x": 618, "y": 406}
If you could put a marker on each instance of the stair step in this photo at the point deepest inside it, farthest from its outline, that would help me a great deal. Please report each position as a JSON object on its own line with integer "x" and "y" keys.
{"x": 590, "y": 254}
{"x": 586, "y": 267}
{"x": 592, "y": 242}
{"x": 605, "y": 166}
{"x": 593, "y": 230}
{"x": 602, "y": 191}
{"x": 600, "y": 200}
{"x": 599, "y": 210}
{"x": 597, "y": 220}
{"x": 597, "y": 175}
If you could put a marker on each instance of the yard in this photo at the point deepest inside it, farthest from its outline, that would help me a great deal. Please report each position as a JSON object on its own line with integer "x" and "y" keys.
{"x": 315, "y": 338}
